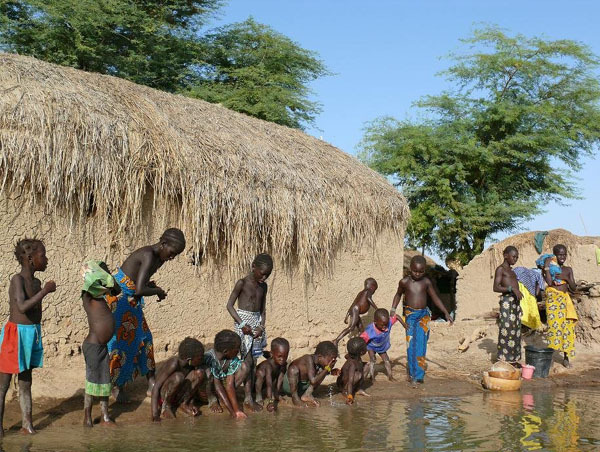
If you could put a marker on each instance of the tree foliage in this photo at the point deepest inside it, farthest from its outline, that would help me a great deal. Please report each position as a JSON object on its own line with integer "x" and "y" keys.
{"x": 251, "y": 68}
{"x": 247, "y": 67}
{"x": 492, "y": 153}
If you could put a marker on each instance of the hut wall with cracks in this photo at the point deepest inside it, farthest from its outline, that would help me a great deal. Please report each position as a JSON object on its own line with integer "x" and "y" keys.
{"x": 97, "y": 166}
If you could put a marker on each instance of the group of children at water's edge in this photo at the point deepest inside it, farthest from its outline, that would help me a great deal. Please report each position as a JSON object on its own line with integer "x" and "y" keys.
{"x": 520, "y": 289}
{"x": 119, "y": 346}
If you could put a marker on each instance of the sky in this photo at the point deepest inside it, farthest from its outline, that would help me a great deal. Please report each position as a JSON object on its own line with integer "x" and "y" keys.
{"x": 385, "y": 55}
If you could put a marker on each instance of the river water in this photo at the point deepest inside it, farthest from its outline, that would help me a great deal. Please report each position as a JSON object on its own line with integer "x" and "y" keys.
{"x": 555, "y": 420}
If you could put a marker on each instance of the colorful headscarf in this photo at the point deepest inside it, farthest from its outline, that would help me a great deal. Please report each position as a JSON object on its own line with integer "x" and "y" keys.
{"x": 96, "y": 281}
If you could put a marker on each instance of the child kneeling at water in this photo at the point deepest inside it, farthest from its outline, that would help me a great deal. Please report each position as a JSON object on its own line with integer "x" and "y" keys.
{"x": 225, "y": 372}
{"x": 178, "y": 381}
{"x": 271, "y": 373}
{"x": 351, "y": 379}
{"x": 306, "y": 373}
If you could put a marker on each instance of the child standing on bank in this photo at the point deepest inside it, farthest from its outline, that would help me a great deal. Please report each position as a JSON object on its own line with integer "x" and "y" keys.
{"x": 99, "y": 287}
{"x": 21, "y": 338}
{"x": 415, "y": 288}
{"x": 251, "y": 295}
{"x": 377, "y": 338}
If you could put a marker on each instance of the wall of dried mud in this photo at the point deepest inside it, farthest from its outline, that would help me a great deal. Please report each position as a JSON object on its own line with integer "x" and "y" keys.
{"x": 303, "y": 313}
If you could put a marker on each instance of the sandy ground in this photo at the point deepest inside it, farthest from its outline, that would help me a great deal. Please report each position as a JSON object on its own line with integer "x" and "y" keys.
{"x": 58, "y": 392}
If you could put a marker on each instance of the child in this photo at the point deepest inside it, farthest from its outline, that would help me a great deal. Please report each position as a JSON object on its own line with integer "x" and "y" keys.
{"x": 377, "y": 338}
{"x": 178, "y": 381}
{"x": 415, "y": 288}
{"x": 560, "y": 311}
{"x": 271, "y": 372}
{"x": 225, "y": 371}
{"x": 251, "y": 293}
{"x": 351, "y": 379}
{"x": 359, "y": 306}
{"x": 131, "y": 347}
{"x": 509, "y": 321}
{"x": 98, "y": 287}
{"x": 21, "y": 338}
{"x": 306, "y": 373}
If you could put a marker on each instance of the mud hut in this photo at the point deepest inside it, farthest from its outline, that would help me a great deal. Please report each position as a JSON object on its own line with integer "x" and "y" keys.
{"x": 97, "y": 166}
{"x": 475, "y": 297}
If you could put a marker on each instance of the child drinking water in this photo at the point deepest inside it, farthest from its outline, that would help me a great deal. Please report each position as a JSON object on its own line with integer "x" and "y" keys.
{"x": 351, "y": 378}
{"x": 306, "y": 373}
{"x": 98, "y": 287}
{"x": 271, "y": 373}
{"x": 21, "y": 338}
{"x": 225, "y": 372}
{"x": 250, "y": 293}
{"x": 178, "y": 381}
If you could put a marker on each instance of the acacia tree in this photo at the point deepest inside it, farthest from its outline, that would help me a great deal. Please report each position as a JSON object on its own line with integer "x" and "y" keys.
{"x": 251, "y": 68}
{"x": 492, "y": 153}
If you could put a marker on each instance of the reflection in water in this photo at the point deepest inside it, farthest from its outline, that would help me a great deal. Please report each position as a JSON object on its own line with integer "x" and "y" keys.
{"x": 542, "y": 421}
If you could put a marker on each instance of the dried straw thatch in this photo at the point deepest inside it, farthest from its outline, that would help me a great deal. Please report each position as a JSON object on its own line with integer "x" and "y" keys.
{"x": 236, "y": 185}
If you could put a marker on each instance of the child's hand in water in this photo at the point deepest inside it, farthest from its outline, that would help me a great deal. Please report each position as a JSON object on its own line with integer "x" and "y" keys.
{"x": 240, "y": 415}
{"x": 50, "y": 287}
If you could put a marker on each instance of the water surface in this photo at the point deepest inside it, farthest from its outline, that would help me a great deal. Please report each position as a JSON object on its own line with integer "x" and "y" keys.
{"x": 559, "y": 420}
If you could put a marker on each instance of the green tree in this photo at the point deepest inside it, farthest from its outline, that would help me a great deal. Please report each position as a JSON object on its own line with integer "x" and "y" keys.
{"x": 251, "y": 68}
{"x": 152, "y": 43}
{"x": 493, "y": 152}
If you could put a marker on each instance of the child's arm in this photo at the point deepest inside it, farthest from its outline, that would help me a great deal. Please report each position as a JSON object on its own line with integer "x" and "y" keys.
{"x": 569, "y": 278}
{"x": 353, "y": 323}
{"x": 317, "y": 378}
{"x": 397, "y": 298}
{"x": 436, "y": 299}
{"x": 142, "y": 289}
{"x": 279, "y": 385}
{"x": 498, "y": 287}
{"x": 235, "y": 293}
{"x": 350, "y": 370}
{"x": 165, "y": 372}
{"x": 546, "y": 272}
{"x": 228, "y": 397}
{"x": 17, "y": 290}
{"x": 371, "y": 302}
{"x": 263, "y": 313}
{"x": 269, "y": 381}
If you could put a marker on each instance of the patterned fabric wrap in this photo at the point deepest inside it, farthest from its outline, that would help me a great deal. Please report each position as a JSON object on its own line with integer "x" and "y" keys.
{"x": 417, "y": 335}
{"x": 531, "y": 278}
{"x": 509, "y": 329}
{"x": 20, "y": 348}
{"x": 96, "y": 281}
{"x": 531, "y": 313}
{"x": 553, "y": 267}
{"x": 221, "y": 370}
{"x": 252, "y": 319}
{"x": 131, "y": 348}
{"x": 378, "y": 341}
{"x": 561, "y": 319}
{"x": 97, "y": 370}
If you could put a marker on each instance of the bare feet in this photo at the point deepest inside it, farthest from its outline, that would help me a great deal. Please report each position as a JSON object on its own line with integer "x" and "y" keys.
{"x": 190, "y": 409}
{"x": 252, "y": 406}
{"x": 28, "y": 430}
{"x": 566, "y": 363}
{"x": 362, "y": 392}
{"x": 87, "y": 422}
{"x": 240, "y": 415}
{"x": 390, "y": 378}
{"x": 216, "y": 408}
{"x": 108, "y": 423}
{"x": 310, "y": 401}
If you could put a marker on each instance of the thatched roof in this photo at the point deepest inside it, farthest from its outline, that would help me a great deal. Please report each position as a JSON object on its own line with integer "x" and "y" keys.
{"x": 237, "y": 185}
